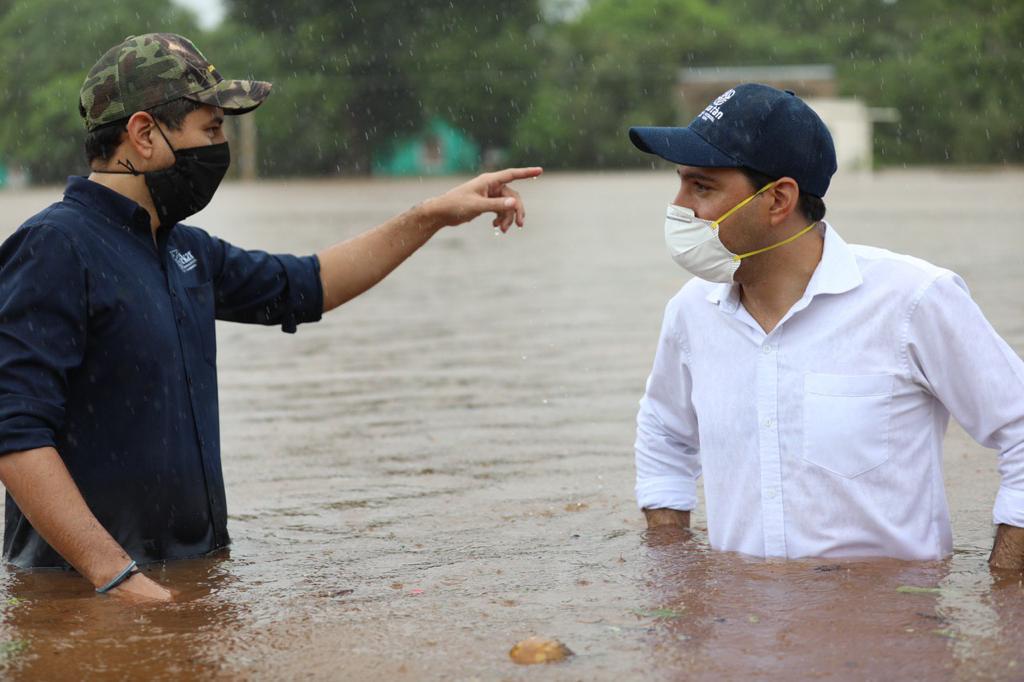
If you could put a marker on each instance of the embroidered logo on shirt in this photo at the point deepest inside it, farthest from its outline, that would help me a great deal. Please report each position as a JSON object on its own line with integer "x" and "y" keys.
{"x": 186, "y": 261}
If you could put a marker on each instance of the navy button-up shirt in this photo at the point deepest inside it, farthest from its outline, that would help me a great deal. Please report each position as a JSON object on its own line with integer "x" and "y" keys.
{"x": 108, "y": 354}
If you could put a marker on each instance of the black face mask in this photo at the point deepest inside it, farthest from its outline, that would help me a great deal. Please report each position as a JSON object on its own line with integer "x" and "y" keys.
{"x": 186, "y": 187}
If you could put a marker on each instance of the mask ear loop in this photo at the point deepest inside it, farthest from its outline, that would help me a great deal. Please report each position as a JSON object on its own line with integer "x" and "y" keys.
{"x": 128, "y": 165}
{"x": 715, "y": 223}
{"x": 774, "y": 246}
{"x": 161, "y": 131}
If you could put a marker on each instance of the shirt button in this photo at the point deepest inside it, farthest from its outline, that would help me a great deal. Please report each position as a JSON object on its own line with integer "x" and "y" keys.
{"x": 771, "y": 494}
{"x": 767, "y": 349}
{"x": 768, "y": 423}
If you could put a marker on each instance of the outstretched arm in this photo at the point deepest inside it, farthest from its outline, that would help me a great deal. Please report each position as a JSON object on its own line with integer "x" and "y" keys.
{"x": 351, "y": 267}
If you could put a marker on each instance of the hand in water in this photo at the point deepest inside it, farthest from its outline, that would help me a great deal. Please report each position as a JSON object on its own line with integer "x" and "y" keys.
{"x": 139, "y": 588}
{"x": 667, "y": 526}
{"x": 659, "y": 536}
{"x": 1008, "y": 549}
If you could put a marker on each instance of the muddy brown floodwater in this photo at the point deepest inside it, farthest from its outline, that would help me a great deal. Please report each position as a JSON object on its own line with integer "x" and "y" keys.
{"x": 443, "y": 468}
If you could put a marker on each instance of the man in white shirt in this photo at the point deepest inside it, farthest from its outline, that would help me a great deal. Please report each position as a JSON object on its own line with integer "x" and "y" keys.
{"x": 810, "y": 381}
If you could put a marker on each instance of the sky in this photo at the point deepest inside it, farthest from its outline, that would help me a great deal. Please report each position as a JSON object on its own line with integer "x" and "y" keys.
{"x": 209, "y": 12}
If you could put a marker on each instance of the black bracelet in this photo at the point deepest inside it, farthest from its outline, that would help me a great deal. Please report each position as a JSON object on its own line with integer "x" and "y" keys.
{"x": 129, "y": 570}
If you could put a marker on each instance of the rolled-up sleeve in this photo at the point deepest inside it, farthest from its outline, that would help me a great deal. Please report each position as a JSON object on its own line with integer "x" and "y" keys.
{"x": 667, "y": 445}
{"x": 43, "y": 323}
{"x": 956, "y": 354}
{"x": 261, "y": 288}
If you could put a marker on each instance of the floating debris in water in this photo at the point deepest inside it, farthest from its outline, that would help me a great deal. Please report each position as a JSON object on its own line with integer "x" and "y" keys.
{"x": 539, "y": 650}
{"x": 666, "y": 614}
{"x": 11, "y": 648}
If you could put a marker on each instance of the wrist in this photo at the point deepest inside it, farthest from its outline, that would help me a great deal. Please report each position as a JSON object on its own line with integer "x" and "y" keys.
{"x": 119, "y": 579}
{"x": 102, "y": 572}
{"x": 1008, "y": 548}
{"x": 426, "y": 216}
{"x": 667, "y": 517}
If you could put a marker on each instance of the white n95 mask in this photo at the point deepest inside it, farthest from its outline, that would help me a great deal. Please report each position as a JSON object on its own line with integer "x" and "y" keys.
{"x": 696, "y": 247}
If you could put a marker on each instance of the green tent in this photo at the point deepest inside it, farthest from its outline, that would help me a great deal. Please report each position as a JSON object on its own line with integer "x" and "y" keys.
{"x": 439, "y": 149}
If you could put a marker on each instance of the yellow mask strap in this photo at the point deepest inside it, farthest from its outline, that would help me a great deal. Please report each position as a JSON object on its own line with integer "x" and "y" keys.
{"x": 775, "y": 246}
{"x": 716, "y": 223}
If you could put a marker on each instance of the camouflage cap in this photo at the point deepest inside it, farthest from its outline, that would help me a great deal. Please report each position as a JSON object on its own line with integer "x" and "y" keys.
{"x": 152, "y": 69}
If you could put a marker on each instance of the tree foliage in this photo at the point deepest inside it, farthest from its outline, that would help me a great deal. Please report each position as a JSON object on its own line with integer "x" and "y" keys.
{"x": 47, "y": 47}
{"x": 351, "y": 77}
{"x": 954, "y": 71}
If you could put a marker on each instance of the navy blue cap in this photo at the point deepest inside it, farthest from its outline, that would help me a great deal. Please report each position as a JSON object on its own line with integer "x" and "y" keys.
{"x": 752, "y": 125}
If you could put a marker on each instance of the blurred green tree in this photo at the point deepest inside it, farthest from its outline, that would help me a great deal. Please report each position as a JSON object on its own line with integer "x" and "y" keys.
{"x": 477, "y": 64}
{"x": 353, "y": 77}
{"x": 554, "y": 87}
{"x": 951, "y": 69}
{"x": 617, "y": 65}
{"x": 955, "y": 73}
{"x": 47, "y": 47}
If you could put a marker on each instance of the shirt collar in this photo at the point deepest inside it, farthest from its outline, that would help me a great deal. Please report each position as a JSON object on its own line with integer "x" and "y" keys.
{"x": 837, "y": 272}
{"x": 113, "y": 205}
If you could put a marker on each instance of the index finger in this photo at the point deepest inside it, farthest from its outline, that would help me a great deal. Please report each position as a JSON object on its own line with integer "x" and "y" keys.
{"x": 510, "y": 174}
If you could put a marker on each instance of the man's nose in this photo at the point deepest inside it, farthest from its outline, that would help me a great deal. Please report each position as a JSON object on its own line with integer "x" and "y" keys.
{"x": 682, "y": 199}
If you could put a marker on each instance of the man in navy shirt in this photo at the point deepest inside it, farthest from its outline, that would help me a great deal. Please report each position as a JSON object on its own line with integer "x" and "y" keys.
{"x": 109, "y": 435}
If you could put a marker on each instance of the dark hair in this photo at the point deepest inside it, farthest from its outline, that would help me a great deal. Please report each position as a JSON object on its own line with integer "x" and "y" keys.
{"x": 811, "y": 206}
{"x": 101, "y": 143}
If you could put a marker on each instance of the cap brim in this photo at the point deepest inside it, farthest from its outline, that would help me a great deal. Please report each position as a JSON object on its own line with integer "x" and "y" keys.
{"x": 234, "y": 97}
{"x": 682, "y": 146}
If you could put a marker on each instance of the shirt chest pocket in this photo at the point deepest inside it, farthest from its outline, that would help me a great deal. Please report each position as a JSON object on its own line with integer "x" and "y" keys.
{"x": 846, "y": 421}
{"x": 204, "y": 314}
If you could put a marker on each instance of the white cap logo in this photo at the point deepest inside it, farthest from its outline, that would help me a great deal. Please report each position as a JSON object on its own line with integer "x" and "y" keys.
{"x": 712, "y": 112}
{"x": 724, "y": 97}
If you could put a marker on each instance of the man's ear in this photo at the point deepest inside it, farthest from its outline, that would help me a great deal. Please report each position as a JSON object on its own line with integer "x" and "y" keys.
{"x": 785, "y": 197}
{"x": 141, "y": 129}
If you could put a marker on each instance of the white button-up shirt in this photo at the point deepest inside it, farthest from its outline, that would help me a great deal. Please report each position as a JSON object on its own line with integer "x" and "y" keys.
{"x": 824, "y": 437}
